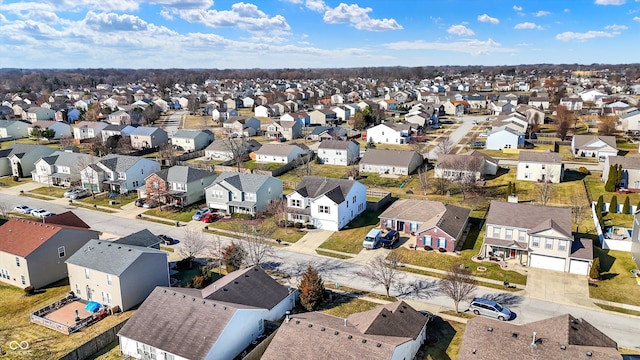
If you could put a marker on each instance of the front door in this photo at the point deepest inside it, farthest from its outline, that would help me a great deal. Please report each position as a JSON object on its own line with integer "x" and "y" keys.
{"x": 513, "y": 254}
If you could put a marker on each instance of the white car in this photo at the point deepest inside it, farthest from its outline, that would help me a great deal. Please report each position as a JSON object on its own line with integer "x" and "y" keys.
{"x": 41, "y": 213}
{"x": 22, "y": 209}
{"x": 482, "y": 134}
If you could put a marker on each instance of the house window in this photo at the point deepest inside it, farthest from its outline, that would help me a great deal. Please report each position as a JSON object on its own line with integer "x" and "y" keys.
{"x": 562, "y": 245}
{"x": 322, "y": 209}
{"x": 86, "y": 274}
{"x": 496, "y": 232}
{"x": 426, "y": 240}
{"x": 522, "y": 235}
{"x": 535, "y": 241}
{"x": 442, "y": 242}
{"x": 61, "y": 251}
{"x": 296, "y": 203}
{"x": 508, "y": 234}
{"x": 260, "y": 325}
{"x": 109, "y": 279}
{"x": 23, "y": 280}
{"x": 548, "y": 244}
{"x": 168, "y": 356}
{"x": 353, "y": 200}
{"x": 17, "y": 261}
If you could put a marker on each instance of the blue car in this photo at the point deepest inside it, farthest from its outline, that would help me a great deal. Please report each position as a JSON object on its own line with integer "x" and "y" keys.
{"x": 198, "y": 215}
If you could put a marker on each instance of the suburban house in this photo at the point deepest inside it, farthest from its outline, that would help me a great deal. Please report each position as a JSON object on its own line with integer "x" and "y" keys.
{"x": 223, "y": 319}
{"x": 177, "y": 185}
{"x": 471, "y": 165}
{"x": 35, "y": 113}
{"x": 89, "y": 130}
{"x": 560, "y": 337}
{"x": 240, "y": 126}
{"x": 321, "y": 133}
{"x": 594, "y": 146}
{"x": 19, "y": 159}
{"x": 395, "y": 162}
{"x": 391, "y": 331}
{"x": 326, "y": 203}
{"x": 537, "y": 236}
{"x": 32, "y": 253}
{"x": 145, "y": 137}
{"x": 390, "y": 133}
{"x": 540, "y": 166}
{"x": 434, "y": 224}
{"x": 630, "y": 170}
{"x": 13, "y": 129}
{"x": 118, "y": 173}
{"x": 59, "y": 128}
{"x": 226, "y": 149}
{"x": 300, "y": 116}
{"x": 504, "y": 137}
{"x": 61, "y": 168}
{"x": 119, "y": 117}
{"x": 116, "y": 274}
{"x": 281, "y": 129}
{"x": 116, "y": 130}
{"x": 192, "y": 140}
{"x": 630, "y": 121}
{"x": 322, "y": 117}
{"x": 337, "y": 152}
{"x": 143, "y": 238}
{"x": 280, "y": 153}
{"x": 243, "y": 193}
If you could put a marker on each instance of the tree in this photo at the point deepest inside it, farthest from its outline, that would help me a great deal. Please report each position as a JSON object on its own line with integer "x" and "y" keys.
{"x": 237, "y": 148}
{"x": 165, "y": 152}
{"x": 594, "y": 273}
{"x": 445, "y": 146}
{"x": 233, "y": 256}
{"x": 383, "y": 271}
{"x": 458, "y": 284}
{"x": 280, "y": 214}
{"x": 36, "y": 133}
{"x": 311, "y": 288}
{"x": 192, "y": 245}
{"x": 545, "y": 189}
{"x": 442, "y": 184}
{"x": 88, "y": 175}
{"x": 613, "y": 205}
{"x": 423, "y": 179}
{"x": 564, "y": 120}
{"x": 626, "y": 207}
{"x": 607, "y": 125}
{"x": 359, "y": 122}
{"x": 4, "y": 210}
{"x": 509, "y": 189}
{"x": 578, "y": 209}
{"x": 66, "y": 140}
{"x": 256, "y": 240}
{"x": 600, "y": 204}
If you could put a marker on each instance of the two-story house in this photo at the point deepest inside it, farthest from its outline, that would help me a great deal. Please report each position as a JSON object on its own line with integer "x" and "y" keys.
{"x": 177, "y": 185}
{"x": 116, "y": 130}
{"x": 19, "y": 159}
{"x": 117, "y": 173}
{"x": 326, "y": 203}
{"x": 192, "y": 140}
{"x": 537, "y": 236}
{"x": 504, "y": 137}
{"x": 280, "y": 153}
{"x": 471, "y": 165}
{"x": 10, "y": 129}
{"x": 322, "y": 117}
{"x": 390, "y": 133}
{"x": 338, "y": 152}
{"x": 243, "y": 193}
{"x": 32, "y": 253}
{"x": 540, "y": 166}
{"x": 223, "y": 319}
{"x": 396, "y": 162}
{"x": 630, "y": 171}
{"x": 282, "y": 129}
{"x": 61, "y": 168}
{"x": 88, "y": 130}
{"x": 227, "y": 149}
{"x": 240, "y": 126}
{"x": 60, "y": 129}
{"x": 145, "y": 137}
{"x": 116, "y": 274}
{"x": 119, "y": 117}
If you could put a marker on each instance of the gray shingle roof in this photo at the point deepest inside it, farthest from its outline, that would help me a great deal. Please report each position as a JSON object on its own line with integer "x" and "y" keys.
{"x": 186, "y": 134}
{"x": 107, "y": 257}
{"x": 316, "y": 186}
{"x": 276, "y": 149}
{"x": 546, "y": 157}
{"x": 70, "y": 159}
{"x": 388, "y": 157}
{"x": 466, "y": 161}
{"x": 145, "y": 130}
{"x": 18, "y": 149}
{"x": 250, "y": 183}
{"x": 335, "y": 144}
{"x": 627, "y": 162}
{"x": 528, "y": 216}
{"x": 183, "y": 174}
{"x": 586, "y": 141}
{"x": 115, "y": 162}
{"x": 144, "y": 238}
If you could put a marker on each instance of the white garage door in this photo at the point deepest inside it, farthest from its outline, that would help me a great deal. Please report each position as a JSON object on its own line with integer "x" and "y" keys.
{"x": 547, "y": 262}
{"x": 579, "y": 267}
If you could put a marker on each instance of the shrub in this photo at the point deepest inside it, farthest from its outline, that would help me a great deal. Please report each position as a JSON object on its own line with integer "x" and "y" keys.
{"x": 241, "y": 216}
{"x": 428, "y": 248}
{"x": 29, "y": 290}
{"x": 310, "y": 226}
{"x": 442, "y": 250}
{"x": 298, "y": 225}
{"x": 594, "y": 273}
{"x": 613, "y": 205}
{"x": 183, "y": 264}
{"x": 584, "y": 170}
{"x": 626, "y": 208}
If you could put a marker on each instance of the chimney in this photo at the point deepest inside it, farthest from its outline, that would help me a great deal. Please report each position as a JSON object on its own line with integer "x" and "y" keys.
{"x": 533, "y": 340}
{"x": 287, "y": 317}
{"x": 345, "y": 322}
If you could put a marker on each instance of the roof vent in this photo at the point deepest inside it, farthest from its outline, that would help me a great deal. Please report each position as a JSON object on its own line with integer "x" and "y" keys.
{"x": 297, "y": 322}
{"x": 99, "y": 242}
{"x": 224, "y": 308}
{"x": 514, "y": 335}
{"x": 225, "y": 289}
{"x": 164, "y": 291}
{"x": 245, "y": 275}
{"x": 119, "y": 247}
{"x": 174, "y": 293}
{"x": 203, "y": 302}
{"x": 383, "y": 315}
{"x": 589, "y": 353}
{"x": 310, "y": 325}
{"x": 350, "y": 337}
{"x": 129, "y": 249}
{"x": 336, "y": 332}
{"x": 194, "y": 299}
{"x": 322, "y": 329}
{"x": 184, "y": 296}
{"x": 364, "y": 341}
{"x": 563, "y": 347}
{"x": 108, "y": 244}
{"x": 235, "y": 282}
{"x": 378, "y": 345}
{"x": 489, "y": 329}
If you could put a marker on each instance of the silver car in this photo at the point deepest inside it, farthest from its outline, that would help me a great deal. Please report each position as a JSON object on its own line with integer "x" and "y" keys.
{"x": 491, "y": 308}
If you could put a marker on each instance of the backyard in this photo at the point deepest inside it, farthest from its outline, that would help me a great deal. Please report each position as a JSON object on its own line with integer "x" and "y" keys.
{"x": 616, "y": 283}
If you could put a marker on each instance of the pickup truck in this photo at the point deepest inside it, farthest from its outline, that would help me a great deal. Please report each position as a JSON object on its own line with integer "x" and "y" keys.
{"x": 390, "y": 239}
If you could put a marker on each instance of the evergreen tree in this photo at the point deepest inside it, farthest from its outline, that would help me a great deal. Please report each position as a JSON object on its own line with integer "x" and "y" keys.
{"x": 599, "y": 205}
{"x": 509, "y": 189}
{"x": 613, "y": 205}
{"x": 233, "y": 256}
{"x": 311, "y": 288}
{"x": 610, "y": 185}
{"x": 594, "y": 273}
{"x": 626, "y": 208}
{"x": 618, "y": 175}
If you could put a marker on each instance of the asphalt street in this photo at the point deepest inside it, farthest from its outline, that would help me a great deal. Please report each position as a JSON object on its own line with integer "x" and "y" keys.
{"x": 624, "y": 329}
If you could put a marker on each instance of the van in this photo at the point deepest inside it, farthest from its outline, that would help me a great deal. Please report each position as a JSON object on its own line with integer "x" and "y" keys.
{"x": 372, "y": 239}
{"x": 491, "y": 308}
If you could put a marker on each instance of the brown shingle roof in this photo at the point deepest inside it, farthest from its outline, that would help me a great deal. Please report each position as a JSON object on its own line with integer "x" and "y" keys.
{"x": 388, "y": 157}
{"x": 627, "y": 162}
{"x": 582, "y": 249}
{"x": 394, "y": 319}
{"x": 582, "y": 141}
{"x": 527, "y": 216}
{"x": 67, "y": 218}
{"x": 562, "y": 337}
{"x": 546, "y": 157}
{"x": 467, "y": 161}
{"x": 21, "y": 237}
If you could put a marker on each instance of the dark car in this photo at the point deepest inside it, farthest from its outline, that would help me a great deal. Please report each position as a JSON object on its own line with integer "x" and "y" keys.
{"x": 390, "y": 239}
{"x": 478, "y": 143}
{"x": 210, "y": 217}
{"x": 167, "y": 240}
{"x": 139, "y": 202}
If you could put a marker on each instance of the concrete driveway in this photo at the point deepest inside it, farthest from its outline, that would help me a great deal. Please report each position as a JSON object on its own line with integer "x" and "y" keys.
{"x": 311, "y": 241}
{"x": 558, "y": 287}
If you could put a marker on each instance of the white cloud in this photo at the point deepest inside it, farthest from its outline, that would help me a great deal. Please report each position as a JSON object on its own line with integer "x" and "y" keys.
{"x": 460, "y": 30}
{"x": 487, "y": 18}
{"x": 527, "y": 26}
{"x": 541, "y": 13}
{"x": 610, "y": 2}
{"x": 183, "y": 4}
{"x": 474, "y": 47}
{"x": 570, "y": 36}
{"x": 316, "y": 5}
{"x": 107, "y": 22}
{"x": 517, "y": 8}
{"x": 166, "y": 14}
{"x": 358, "y": 17}
{"x": 616, "y": 27}
{"x": 567, "y": 10}
{"x": 636, "y": 18}
{"x": 95, "y": 5}
{"x": 243, "y": 15}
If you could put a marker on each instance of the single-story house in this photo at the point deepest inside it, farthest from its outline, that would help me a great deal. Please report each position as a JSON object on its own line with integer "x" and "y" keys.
{"x": 395, "y": 162}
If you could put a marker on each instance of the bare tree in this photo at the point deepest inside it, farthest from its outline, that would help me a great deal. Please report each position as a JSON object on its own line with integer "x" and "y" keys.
{"x": 545, "y": 188}
{"x": 304, "y": 165}
{"x": 607, "y": 125}
{"x": 165, "y": 152}
{"x": 256, "y": 240}
{"x": 458, "y": 284}
{"x": 383, "y": 271}
{"x": 66, "y": 140}
{"x": 278, "y": 208}
{"x": 578, "y": 209}
{"x": 423, "y": 179}
{"x": 564, "y": 120}
{"x": 4, "y": 210}
{"x": 468, "y": 169}
{"x": 445, "y": 146}
{"x": 237, "y": 148}
{"x": 88, "y": 174}
{"x": 192, "y": 244}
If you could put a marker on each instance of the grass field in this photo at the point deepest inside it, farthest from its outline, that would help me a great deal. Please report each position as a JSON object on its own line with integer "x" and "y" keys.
{"x": 449, "y": 337}
{"x": 49, "y": 191}
{"x": 44, "y": 343}
{"x": 617, "y": 284}
{"x": 289, "y": 235}
{"x": 350, "y": 238}
{"x": 343, "y": 306}
{"x": 183, "y": 215}
{"x": 7, "y": 181}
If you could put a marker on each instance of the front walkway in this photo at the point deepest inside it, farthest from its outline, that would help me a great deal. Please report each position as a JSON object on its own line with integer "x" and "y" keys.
{"x": 558, "y": 287}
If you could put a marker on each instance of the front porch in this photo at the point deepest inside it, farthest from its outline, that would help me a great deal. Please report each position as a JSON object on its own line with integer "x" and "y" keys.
{"x": 503, "y": 250}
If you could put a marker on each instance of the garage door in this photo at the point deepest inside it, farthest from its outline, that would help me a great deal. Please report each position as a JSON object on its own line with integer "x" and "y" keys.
{"x": 579, "y": 267}
{"x": 547, "y": 262}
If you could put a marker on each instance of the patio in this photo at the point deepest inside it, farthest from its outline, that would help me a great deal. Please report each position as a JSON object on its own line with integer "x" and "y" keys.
{"x": 67, "y": 315}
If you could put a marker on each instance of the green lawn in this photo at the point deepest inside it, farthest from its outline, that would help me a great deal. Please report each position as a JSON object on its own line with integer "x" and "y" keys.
{"x": 252, "y": 164}
{"x": 49, "y": 191}
{"x": 330, "y": 171}
{"x": 289, "y": 235}
{"x": 617, "y": 284}
{"x": 596, "y": 188}
{"x": 449, "y": 337}
{"x": 183, "y": 215}
{"x": 343, "y": 305}
{"x": 7, "y": 181}
{"x": 103, "y": 199}
{"x": 350, "y": 238}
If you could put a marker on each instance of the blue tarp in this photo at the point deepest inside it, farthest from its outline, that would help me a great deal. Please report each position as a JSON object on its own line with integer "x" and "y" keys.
{"x": 92, "y": 306}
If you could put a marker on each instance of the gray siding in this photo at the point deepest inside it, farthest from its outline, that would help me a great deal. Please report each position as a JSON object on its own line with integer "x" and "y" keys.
{"x": 139, "y": 280}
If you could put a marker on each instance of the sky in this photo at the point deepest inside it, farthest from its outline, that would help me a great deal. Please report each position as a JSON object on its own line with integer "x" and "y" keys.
{"x": 315, "y": 33}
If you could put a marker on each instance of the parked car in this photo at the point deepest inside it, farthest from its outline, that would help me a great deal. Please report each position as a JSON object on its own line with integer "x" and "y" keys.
{"x": 198, "y": 215}
{"x": 22, "y": 209}
{"x": 167, "y": 240}
{"x": 41, "y": 213}
{"x": 70, "y": 192}
{"x": 478, "y": 143}
{"x": 372, "y": 240}
{"x": 79, "y": 194}
{"x": 390, "y": 239}
{"x": 484, "y": 134}
{"x": 139, "y": 202}
{"x": 149, "y": 204}
{"x": 487, "y": 307}
{"x": 211, "y": 217}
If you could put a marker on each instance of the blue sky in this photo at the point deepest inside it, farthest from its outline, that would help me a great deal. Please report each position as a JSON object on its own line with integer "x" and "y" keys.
{"x": 315, "y": 33}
